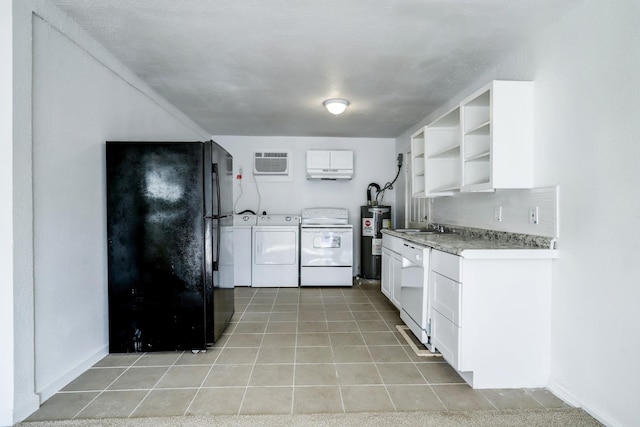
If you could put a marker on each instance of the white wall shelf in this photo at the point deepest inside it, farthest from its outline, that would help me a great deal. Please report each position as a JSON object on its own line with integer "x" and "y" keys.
{"x": 418, "y": 163}
{"x": 442, "y": 155}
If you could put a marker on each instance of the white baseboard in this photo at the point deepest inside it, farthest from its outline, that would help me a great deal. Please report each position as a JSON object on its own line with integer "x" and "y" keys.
{"x": 564, "y": 394}
{"x": 57, "y": 385}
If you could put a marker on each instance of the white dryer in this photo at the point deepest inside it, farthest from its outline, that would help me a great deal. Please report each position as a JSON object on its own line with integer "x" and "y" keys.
{"x": 276, "y": 251}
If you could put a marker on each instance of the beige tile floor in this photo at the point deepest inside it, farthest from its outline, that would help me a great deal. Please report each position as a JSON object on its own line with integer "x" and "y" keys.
{"x": 287, "y": 350}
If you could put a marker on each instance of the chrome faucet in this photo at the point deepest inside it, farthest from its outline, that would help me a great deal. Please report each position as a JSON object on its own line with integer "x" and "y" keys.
{"x": 435, "y": 227}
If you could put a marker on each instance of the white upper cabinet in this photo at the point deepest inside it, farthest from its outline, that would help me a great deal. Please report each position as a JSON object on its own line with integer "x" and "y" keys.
{"x": 497, "y": 137}
{"x": 435, "y": 155}
{"x": 341, "y": 159}
{"x": 483, "y": 144}
{"x": 318, "y": 159}
{"x": 329, "y": 164}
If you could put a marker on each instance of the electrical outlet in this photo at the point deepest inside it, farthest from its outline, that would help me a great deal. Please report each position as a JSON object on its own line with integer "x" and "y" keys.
{"x": 533, "y": 215}
{"x": 497, "y": 213}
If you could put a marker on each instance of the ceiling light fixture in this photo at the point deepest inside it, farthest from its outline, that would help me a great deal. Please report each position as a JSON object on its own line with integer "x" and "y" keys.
{"x": 336, "y": 105}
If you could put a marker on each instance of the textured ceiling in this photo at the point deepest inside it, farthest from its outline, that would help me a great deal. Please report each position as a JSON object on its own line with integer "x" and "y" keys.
{"x": 263, "y": 67}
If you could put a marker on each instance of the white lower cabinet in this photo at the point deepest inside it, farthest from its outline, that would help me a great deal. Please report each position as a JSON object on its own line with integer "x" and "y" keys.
{"x": 445, "y": 336}
{"x": 491, "y": 318}
{"x": 391, "y": 269}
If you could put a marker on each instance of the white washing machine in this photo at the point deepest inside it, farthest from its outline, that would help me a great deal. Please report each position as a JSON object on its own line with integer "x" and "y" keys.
{"x": 242, "y": 228}
{"x": 276, "y": 251}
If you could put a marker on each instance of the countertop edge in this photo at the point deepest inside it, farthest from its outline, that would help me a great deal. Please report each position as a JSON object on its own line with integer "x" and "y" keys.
{"x": 509, "y": 253}
{"x": 472, "y": 247}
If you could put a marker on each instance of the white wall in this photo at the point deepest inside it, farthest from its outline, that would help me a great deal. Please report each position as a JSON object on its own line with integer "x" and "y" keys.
{"x": 25, "y": 399}
{"x": 587, "y": 122}
{"x": 81, "y": 97}
{"x": 6, "y": 215}
{"x": 374, "y": 161}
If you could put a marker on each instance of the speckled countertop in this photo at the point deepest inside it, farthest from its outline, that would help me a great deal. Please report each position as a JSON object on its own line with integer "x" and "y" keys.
{"x": 479, "y": 243}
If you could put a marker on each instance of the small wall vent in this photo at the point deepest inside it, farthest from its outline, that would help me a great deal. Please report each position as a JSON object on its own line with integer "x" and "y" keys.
{"x": 271, "y": 163}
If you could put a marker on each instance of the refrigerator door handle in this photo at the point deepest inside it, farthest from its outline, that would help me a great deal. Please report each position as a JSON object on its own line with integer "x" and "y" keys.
{"x": 216, "y": 174}
{"x": 216, "y": 262}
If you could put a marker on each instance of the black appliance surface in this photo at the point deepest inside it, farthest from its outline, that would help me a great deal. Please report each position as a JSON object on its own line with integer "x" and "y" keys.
{"x": 167, "y": 207}
{"x": 371, "y": 239}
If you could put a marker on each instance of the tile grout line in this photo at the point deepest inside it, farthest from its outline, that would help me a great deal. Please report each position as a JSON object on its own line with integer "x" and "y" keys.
{"x": 295, "y": 356}
{"x": 335, "y": 365}
{"x": 105, "y": 389}
{"x": 393, "y": 405}
{"x": 224, "y": 345}
{"x": 489, "y": 400}
{"x": 431, "y": 388}
{"x": 154, "y": 385}
{"x": 253, "y": 365}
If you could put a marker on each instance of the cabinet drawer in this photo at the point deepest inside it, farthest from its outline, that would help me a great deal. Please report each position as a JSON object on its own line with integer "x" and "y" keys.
{"x": 446, "y": 297}
{"x": 392, "y": 243}
{"x": 446, "y": 338}
{"x": 446, "y": 264}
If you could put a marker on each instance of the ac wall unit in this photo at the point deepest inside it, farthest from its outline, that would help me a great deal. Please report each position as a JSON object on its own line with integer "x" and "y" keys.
{"x": 271, "y": 163}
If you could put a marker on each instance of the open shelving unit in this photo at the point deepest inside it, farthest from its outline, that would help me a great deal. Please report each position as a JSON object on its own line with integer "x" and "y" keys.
{"x": 476, "y": 161}
{"x": 484, "y": 143}
{"x": 442, "y": 155}
{"x": 418, "y": 164}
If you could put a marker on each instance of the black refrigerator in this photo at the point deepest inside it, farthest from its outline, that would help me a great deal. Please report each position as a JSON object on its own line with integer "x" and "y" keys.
{"x": 170, "y": 254}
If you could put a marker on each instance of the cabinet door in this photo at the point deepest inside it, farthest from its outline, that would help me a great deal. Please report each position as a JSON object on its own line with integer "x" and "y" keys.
{"x": 341, "y": 159}
{"x": 396, "y": 267}
{"x": 318, "y": 159}
{"x": 386, "y": 273}
{"x": 446, "y": 338}
{"x": 446, "y": 297}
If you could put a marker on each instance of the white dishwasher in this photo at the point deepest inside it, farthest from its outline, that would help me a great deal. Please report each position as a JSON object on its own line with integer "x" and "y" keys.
{"x": 414, "y": 291}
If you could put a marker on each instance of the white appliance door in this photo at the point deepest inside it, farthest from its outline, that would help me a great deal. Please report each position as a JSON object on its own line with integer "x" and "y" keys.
{"x": 412, "y": 292}
{"x": 275, "y": 246}
{"x": 242, "y": 256}
{"x": 322, "y": 247}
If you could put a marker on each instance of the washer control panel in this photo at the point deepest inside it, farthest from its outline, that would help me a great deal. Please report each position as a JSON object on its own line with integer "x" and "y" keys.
{"x": 278, "y": 219}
